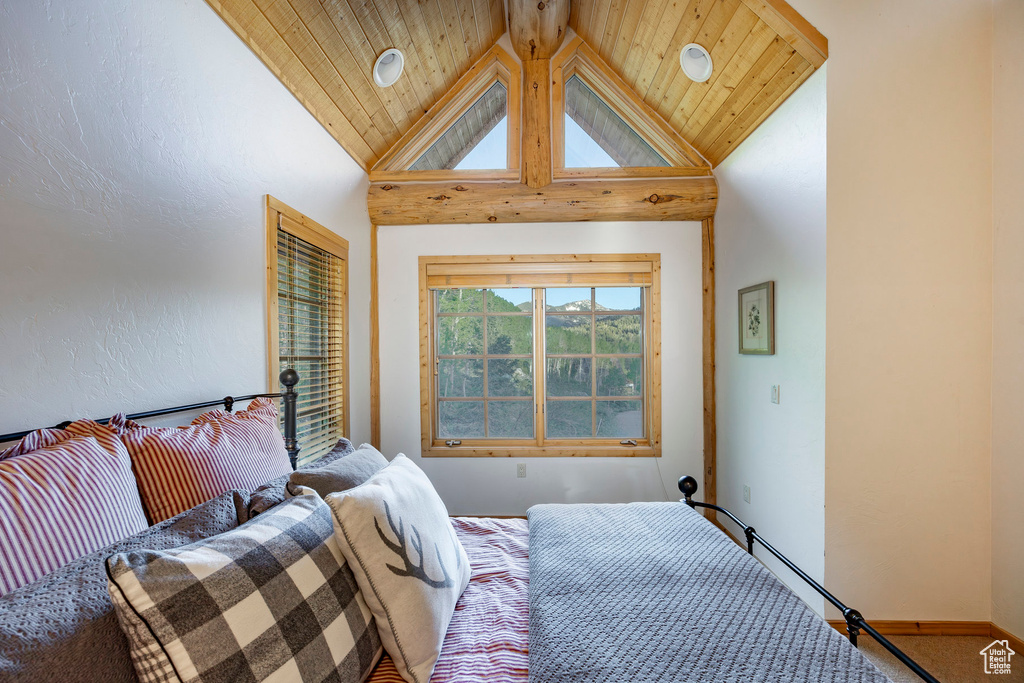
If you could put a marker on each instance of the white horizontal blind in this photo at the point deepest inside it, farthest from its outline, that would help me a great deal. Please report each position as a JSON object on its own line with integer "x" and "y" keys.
{"x": 311, "y": 319}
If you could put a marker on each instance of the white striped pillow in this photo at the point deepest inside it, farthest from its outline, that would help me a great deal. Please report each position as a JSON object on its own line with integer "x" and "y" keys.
{"x": 73, "y": 495}
{"x": 181, "y": 467}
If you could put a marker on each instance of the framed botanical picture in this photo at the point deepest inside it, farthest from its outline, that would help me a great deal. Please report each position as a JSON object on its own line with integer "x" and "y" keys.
{"x": 757, "y": 319}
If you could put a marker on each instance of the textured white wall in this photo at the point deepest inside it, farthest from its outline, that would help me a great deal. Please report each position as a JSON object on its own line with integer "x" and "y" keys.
{"x": 137, "y": 141}
{"x": 771, "y": 226}
{"x": 1008, "y": 319}
{"x": 489, "y": 485}
{"x": 909, "y": 306}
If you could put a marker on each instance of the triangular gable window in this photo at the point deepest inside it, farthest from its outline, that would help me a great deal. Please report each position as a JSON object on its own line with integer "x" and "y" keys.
{"x": 599, "y": 122}
{"x": 477, "y": 140}
{"x": 473, "y": 130}
{"x": 597, "y": 137}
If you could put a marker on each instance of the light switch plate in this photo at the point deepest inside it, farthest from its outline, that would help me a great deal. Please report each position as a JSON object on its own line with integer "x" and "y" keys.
{"x": 521, "y": 470}
{"x": 775, "y": 393}
{"x": 746, "y": 494}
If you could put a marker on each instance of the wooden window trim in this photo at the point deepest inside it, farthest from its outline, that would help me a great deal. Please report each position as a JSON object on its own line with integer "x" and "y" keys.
{"x": 579, "y": 59}
{"x": 486, "y": 267}
{"x": 495, "y": 66}
{"x": 308, "y": 230}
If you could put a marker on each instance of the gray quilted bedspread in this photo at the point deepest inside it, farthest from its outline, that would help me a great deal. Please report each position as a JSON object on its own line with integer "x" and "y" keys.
{"x": 654, "y": 592}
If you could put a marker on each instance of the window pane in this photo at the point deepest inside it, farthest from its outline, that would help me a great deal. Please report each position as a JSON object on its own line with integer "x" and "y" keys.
{"x": 460, "y": 336}
{"x": 619, "y": 334}
{"x": 470, "y": 131}
{"x": 489, "y": 153}
{"x": 567, "y": 299}
{"x": 569, "y": 377}
{"x": 569, "y": 419}
{"x": 510, "y": 334}
{"x": 460, "y": 378}
{"x": 510, "y": 419}
{"x": 460, "y": 419}
{"x": 507, "y": 377}
{"x": 618, "y": 298}
{"x": 460, "y": 300}
{"x": 604, "y": 127}
{"x": 510, "y": 300}
{"x": 620, "y": 376}
{"x": 568, "y": 334}
{"x": 581, "y": 151}
{"x": 620, "y": 419}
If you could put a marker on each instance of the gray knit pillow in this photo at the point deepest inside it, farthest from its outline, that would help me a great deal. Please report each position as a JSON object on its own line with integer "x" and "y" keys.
{"x": 342, "y": 474}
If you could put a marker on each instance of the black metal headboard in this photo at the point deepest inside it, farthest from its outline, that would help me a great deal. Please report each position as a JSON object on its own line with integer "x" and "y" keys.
{"x": 289, "y": 378}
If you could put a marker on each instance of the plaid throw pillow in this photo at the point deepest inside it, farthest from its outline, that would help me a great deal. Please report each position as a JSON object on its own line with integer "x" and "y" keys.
{"x": 272, "y": 600}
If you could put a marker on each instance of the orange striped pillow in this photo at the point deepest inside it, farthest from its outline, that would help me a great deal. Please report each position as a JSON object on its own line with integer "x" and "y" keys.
{"x": 180, "y": 467}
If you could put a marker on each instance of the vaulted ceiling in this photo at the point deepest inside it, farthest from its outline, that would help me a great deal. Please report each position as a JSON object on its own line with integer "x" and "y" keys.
{"x": 324, "y": 51}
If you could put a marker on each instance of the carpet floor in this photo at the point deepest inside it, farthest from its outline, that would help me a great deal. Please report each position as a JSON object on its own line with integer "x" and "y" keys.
{"x": 951, "y": 659}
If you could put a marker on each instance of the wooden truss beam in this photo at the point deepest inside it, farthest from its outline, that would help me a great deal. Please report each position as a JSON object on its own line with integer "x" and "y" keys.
{"x": 641, "y": 199}
{"x": 537, "y": 29}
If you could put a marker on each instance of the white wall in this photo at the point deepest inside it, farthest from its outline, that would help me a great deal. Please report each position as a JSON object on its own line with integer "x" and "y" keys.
{"x": 489, "y": 485}
{"x": 909, "y": 312}
{"x": 1008, "y": 320}
{"x": 137, "y": 141}
{"x": 770, "y": 225}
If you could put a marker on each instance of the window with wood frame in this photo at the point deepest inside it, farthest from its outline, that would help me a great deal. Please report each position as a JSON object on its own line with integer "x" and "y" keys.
{"x": 307, "y": 291}
{"x": 471, "y": 132}
{"x": 540, "y": 355}
{"x": 478, "y": 140}
{"x": 597, "y": 137}
{"x": 602, "y": 129}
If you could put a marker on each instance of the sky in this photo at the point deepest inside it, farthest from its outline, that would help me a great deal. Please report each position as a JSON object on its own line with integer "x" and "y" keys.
{"x": 614, "y": 298}
{"x": 489, "y": 153}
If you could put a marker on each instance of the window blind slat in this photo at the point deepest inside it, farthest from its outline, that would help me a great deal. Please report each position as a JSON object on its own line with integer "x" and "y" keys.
{"x": 311, "y": 290}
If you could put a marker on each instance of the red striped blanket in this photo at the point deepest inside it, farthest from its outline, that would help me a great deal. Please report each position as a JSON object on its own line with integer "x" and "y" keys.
{"x": 487, "y": 637}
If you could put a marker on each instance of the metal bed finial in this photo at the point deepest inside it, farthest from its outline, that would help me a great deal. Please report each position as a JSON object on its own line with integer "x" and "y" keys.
{"x": 855, "y": 621}
{"x": 289, "y": 378}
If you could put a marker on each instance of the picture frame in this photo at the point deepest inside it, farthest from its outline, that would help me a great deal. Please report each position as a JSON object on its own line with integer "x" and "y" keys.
{"x": 757, "y": 319}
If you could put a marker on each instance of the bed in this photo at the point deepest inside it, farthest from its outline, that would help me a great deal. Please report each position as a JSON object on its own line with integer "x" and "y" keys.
{"x": 609, "y": 593}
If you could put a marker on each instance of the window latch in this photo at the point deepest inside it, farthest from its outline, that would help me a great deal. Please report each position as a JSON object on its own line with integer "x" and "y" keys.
{"x": 454, "y": 442}
{"x": 628, "y": 442}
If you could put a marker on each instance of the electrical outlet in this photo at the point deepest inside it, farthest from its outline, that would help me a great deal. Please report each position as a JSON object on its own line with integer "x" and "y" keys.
{"x": 775, "y": 394}
{"x": 746, "y": 494}
{"x": 521, "y": 470}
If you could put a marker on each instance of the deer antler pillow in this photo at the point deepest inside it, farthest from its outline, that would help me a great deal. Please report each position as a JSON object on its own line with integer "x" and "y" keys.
{"x": 395, "y": 533}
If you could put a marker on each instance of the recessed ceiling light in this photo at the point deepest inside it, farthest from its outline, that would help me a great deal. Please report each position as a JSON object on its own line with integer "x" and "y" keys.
{"x": 696, "y": 62}
{"x": 388, "y": 67}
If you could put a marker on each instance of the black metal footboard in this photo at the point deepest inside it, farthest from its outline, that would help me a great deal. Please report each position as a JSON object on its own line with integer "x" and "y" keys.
{"x": 855, "y": 622}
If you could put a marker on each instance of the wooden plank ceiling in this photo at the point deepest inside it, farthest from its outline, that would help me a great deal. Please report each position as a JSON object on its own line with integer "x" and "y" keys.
{"x": 324, "y": 50}
{"x": 761, "y": 50}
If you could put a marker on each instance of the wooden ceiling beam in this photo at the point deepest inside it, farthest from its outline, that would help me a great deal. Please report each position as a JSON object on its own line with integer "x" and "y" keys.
{"x": 537, "y": 160}
{"x": 537, "y": 27}
{"x": 633, "y": 199}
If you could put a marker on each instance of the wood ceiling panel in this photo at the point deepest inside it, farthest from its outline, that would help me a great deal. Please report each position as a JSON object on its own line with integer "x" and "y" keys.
{"x": 324, "y": 51}
{"x": 762, "y": 50}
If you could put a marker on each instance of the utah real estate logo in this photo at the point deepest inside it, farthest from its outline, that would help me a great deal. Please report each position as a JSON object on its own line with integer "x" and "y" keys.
{"x": 997, "y": 657}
